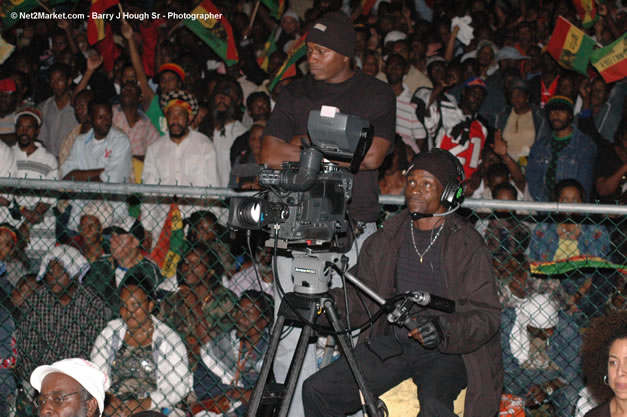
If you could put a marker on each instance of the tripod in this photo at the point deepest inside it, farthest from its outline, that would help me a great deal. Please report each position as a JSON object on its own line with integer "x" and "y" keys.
{"x": 309, "y": 307}
{"x": 302, "y": 308}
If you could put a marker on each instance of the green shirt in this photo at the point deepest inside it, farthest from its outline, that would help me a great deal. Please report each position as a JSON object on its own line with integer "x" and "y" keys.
{"x": 156, "y": 116}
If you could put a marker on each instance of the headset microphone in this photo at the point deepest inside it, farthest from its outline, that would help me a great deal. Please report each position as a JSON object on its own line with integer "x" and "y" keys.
{"x": 418, "y": 216}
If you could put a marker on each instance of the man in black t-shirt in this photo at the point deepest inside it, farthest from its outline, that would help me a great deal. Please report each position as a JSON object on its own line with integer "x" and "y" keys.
{"x": 331, "y": 82}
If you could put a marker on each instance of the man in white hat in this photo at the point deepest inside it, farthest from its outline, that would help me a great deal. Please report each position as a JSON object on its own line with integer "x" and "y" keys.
{"x": 70, "y": 388}
{"x": 32, "y": 161}
{"x": 541, "y": 346}
{"x": 63, "y": 317}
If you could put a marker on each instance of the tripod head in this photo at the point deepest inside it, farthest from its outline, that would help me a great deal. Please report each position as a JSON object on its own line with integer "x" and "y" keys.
{"x": 312, "y": 273}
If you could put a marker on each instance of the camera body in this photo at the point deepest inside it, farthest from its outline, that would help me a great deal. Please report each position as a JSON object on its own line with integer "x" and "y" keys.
{"x": 309, "y": 198}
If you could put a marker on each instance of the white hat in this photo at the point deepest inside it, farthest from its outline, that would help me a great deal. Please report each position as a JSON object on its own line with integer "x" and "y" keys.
{"x": 72, "y": 261}
{"x": 290, "y": 13}
{"x": 84, "y": 372}
{"x": 393, "y": 36}
{"x": 435, "y": 58}
{"x": 539, "y": 311}
{"x": 100, "y": 210}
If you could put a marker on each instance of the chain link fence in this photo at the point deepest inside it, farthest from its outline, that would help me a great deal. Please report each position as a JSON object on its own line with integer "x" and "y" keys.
{"x": 149, "y": 284}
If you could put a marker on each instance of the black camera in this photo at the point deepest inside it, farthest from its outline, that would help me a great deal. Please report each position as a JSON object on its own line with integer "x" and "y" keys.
{"x": 308, "y": 198}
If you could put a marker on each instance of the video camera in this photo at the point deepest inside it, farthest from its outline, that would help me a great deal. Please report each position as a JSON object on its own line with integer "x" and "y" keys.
{"x": 308, "y": 198}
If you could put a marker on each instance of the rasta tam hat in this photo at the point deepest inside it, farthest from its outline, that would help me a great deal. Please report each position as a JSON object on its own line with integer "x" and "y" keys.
{"x": 30, "y": 111}
{"x": 335, "y": 31}
{"x": 559, "y": 103}
{"x": 180, "y": 98}
{"x": 92, "y": 379}
{"x": 172, "y": 67}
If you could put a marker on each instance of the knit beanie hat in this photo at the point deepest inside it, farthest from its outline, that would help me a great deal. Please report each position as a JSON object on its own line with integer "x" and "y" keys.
{"x": 559, "y": 103}
{"x": 437, "y": 163}
{"x": 334, "y": 31}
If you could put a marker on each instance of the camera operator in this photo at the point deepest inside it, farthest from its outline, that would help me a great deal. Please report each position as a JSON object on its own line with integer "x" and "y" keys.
{"x": 332, "y": 82}
{"x": 429, "y": 250}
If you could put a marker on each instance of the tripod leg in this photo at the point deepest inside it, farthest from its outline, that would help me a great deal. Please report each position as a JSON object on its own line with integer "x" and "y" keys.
{"x": 255, "y": 400}
{"x": 347, "y": 348}
{"x": 295, "y": 368}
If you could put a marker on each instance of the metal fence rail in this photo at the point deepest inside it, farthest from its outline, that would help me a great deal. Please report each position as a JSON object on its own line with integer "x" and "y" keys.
{"x": 87, "y": 281}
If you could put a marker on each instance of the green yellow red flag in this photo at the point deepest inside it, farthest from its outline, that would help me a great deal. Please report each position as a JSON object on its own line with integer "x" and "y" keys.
{"x": 570, "y": 46}
{"x": 268, "y": 49}
{"x": 96, "y": 29}
{"x": 10, "y": 10}
{"x": 171, "y": 244}
{"x": 587, "y": 12}
{"x": 276, "y": 7}
{"x": 570, "y": 264}
{"x": 611, "y": 61}
{"x": 212, "y": 26}
{"x": 288, "y": 69}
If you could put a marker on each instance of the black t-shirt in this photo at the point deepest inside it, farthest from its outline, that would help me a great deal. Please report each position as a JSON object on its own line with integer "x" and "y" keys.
{"x": 413, "y": 275}
{"x": 601, "y": 411}
{"x": 361, "y": 95}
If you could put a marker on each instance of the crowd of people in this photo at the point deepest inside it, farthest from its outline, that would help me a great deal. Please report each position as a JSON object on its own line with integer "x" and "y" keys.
{"x": 151, "y": 103}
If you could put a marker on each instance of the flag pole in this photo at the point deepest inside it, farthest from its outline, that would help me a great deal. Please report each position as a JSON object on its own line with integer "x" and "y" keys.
{"x": 46, "y": 8}
{"x": 121, "y": 10}
{"x": 254, "y": 15}
{"x": 175, "y": 27}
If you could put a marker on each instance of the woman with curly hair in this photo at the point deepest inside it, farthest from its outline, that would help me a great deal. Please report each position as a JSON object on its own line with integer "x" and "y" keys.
{"x": 605, "y": 364}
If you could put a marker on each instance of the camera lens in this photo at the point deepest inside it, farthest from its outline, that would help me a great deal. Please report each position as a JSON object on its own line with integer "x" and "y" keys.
{"x": 249, "y": 213}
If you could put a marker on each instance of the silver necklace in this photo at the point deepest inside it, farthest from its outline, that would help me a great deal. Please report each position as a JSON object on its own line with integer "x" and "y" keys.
{"x": 432, "y": 240}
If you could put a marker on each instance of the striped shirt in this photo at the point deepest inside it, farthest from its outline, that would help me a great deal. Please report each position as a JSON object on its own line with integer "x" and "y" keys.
{"x": 41, "y": 164}
{"x": 407, "y": 125}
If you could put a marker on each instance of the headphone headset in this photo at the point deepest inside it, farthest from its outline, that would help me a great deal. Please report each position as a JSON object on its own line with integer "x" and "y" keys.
{"x": 453, "y": 193}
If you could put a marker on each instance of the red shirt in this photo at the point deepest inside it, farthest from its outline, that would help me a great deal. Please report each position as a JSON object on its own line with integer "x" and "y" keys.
{"x": 469, "y": 154}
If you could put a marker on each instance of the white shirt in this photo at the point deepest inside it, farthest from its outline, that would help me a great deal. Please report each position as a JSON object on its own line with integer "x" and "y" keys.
{"x": 189, "y": 163}
{"x": 8, "y": 167}
{"x": 223, "y": 145}
{"x": 41, "y": 164}
{"x": 247, "y": 280}
{"x": 407, "y": 124}
{"x": 113, "y": 153}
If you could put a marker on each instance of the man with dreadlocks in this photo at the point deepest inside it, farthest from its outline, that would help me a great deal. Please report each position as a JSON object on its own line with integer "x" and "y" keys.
{"x": 226, "y": 113}
{"x": 182, "y": 156}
